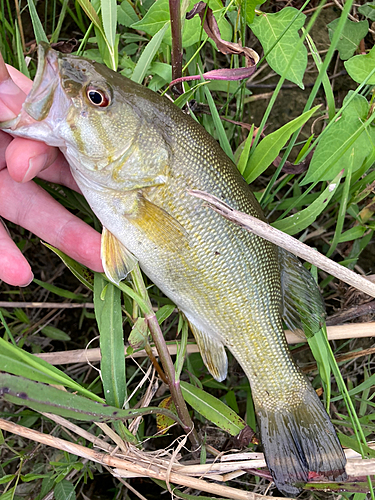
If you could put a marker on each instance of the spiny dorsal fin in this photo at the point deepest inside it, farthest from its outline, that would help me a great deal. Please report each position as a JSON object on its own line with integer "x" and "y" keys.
{"x": 159, "y": 226}
{"x": 212, "y": 352}
{"x": 303, "y": 306}
{"x": 116, "y": 259}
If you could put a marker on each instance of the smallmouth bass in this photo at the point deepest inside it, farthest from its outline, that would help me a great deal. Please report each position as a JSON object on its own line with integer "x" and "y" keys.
{"x": 135, "y": 156}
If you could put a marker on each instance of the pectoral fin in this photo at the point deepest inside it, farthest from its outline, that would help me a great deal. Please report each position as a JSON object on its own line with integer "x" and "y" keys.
{"x": 212, "y": 352}
{"x": 303, "y": 306}
{"x": 116, "y": 258}
{"x": 159, "y": 226}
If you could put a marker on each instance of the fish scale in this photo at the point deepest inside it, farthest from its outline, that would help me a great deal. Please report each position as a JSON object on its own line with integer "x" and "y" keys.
{"x": 135, "y": 160}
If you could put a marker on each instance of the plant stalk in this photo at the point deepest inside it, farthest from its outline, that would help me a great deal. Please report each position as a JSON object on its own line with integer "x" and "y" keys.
{"x": 175, "y": 16}
{"x": 166, "y": 360}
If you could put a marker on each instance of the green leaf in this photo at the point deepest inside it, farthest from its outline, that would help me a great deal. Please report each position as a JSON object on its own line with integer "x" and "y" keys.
{"x": 158, "y": 15}
{"x": 250, "y": 6}
{"x": 91, "y": 13}
{"x": 32, "y": 477}
{"x": 269, "y": 28}
{"x": 352, "y": 234}
{"x": 20, "y": 57}
{"x": 325, "y": 82}
{"x": 40, "y": 35}
{"x": 9, "y": 495}
{"x": 55, "y": 333}
{"x": 7, "y": 478}
{"x": 45, "y": 398}
{"x": 244, "y": 158}
{"x": 19, "y": 362}
{"x": 109, "y": 317}
{"x": 126, "y": 15}
{"x": 317, "y": 345}
{"x": 352, "y": 443}
{"x": 186, "y": 96}
{"x": 148, "y": 55}
{"x": 344, "y": 134}
{"x": 109, "y": 19}
{"x": 64, "y": 490}
{"x": 268, "y": 149}
{"x": 212, "y": 409}
{"x": 368, "y": 10}
{"x": 82, "y": 273}
{"x": 350, "y": 37}
{"x": 223, "y": 139}
{"x": 360, "y": 67}
{"x": 301, "y": 220}
{"x": 163, "y": 70}
{"x": 59, "y": 291}
{"x": 164, "y": 312}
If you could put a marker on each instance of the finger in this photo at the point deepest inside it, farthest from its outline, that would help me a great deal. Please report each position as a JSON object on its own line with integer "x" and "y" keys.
{"x": 14, "y": 268}
{"x": 5, "y": 140}
{"x": 32, "y": 208}
{"x": 33, "y": 156}
{"x": 19, "y": 79}
{"x": 25, "y": 158}
{"x": 59, "y": 173}
{"x": 11, "y": 96}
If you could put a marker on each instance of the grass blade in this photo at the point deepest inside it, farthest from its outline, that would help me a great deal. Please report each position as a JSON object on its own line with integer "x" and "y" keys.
{"x": 148, "y": 55}
{"x": 39, "y": 32}
{"x": 301, "y": 220}
{"x": 44, "y": 398}
{"x": 109, "y": 18}
{"x": 107, "y": 302}
{"x": 268, "y": 149}
{"x": 17, "y": 361}
{"x": 223, "y": 139}
{"x": 213, "y": 409}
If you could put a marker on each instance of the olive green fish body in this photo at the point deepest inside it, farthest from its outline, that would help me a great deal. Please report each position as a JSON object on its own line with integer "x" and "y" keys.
{"x": 135, "y": 157}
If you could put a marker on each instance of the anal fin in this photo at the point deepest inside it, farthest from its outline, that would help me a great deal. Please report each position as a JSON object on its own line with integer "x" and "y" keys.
{"x": 116, "y": 259}
{"x": 213, "y": 353}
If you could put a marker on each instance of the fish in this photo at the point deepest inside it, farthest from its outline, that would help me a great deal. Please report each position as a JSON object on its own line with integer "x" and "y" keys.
{"x": 136, "y": 157}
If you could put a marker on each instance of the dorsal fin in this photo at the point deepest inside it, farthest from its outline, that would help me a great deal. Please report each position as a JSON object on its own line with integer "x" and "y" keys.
{"x": 116, "y": 259}
{"x": 303, "y": 306}
{"x": 212, "y": 352}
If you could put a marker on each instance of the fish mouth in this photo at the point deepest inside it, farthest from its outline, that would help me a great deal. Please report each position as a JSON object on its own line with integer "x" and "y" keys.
{"x": 39, "y": 101}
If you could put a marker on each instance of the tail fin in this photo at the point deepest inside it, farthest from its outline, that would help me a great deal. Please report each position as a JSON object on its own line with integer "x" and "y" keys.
{"x": 299, "y": 440}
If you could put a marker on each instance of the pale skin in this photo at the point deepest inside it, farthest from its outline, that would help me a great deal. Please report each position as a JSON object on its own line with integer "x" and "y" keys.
{"x": 28, "y": 205}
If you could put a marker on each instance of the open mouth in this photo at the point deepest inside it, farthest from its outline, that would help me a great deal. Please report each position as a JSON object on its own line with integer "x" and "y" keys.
{"x": 38, "y": 102}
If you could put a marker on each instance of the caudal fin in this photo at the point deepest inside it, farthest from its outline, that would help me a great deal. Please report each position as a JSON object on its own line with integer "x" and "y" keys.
{"x": 300, "y": 440}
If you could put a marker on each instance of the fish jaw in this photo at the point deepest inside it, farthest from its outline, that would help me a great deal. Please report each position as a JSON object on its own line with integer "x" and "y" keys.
{"x": 37, "y": 119}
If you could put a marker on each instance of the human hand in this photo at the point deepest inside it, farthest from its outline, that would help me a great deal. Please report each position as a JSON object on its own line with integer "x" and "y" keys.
{"x": 27, "y": 204}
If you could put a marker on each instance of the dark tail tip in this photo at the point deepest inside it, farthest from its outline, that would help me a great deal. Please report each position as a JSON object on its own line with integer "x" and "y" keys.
{"x": 299, "y": 443}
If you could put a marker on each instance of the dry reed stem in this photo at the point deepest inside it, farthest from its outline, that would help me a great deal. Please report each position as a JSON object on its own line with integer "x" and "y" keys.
{"x": 47, "y": 305}
{"x": 176, "y": 474}
{"x": 118, "y": 463}
{"x": 264, "y": 230}
{"x": 349, "y": 331}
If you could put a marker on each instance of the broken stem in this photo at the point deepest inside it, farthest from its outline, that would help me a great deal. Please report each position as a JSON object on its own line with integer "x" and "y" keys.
{"x": 166, "y": 360}
{"x": 283, "y": 240}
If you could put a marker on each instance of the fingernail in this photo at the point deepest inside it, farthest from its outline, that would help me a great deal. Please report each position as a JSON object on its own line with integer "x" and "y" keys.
{"x": 28, "y": 282}
{"x": 36, "y": 164}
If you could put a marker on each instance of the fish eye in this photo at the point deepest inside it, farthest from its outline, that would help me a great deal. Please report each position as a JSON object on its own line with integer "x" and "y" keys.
{"x": 97, "y": 97}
